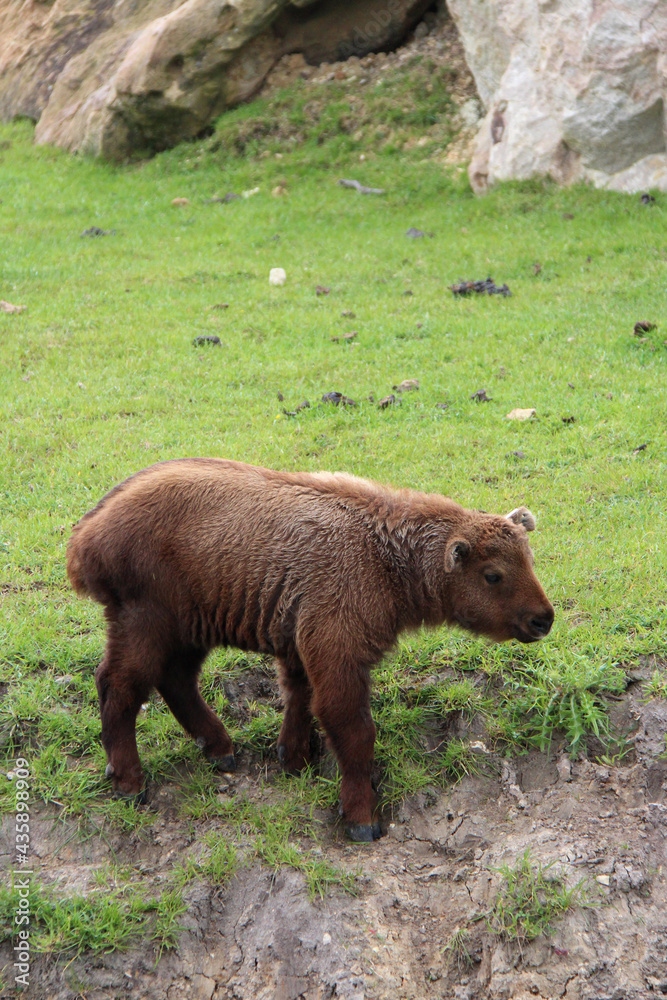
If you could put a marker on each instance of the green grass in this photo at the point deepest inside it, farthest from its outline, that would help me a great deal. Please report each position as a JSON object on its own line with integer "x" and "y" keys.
{"x": 657, "y": 685}
{"x": 333, "y": 120}
{"x": 99, "y": 377}
{"x": 105, "y": 919}
{"x": 531, "y": 897}
{"x": 279, "y": 833}
{"x": 457, "y": 948}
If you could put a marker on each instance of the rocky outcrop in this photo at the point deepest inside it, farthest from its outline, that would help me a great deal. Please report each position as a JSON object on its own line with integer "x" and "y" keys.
{"x": 124, "y": 77}
{"x": 574, "y": 89}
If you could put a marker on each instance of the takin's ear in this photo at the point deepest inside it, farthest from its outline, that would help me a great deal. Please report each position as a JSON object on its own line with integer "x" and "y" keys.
{"x": 522, "y": 516}
{"x": 456, "y": 551}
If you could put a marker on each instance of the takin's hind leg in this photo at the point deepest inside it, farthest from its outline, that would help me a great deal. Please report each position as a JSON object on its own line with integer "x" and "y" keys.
{"x": 124, "y": 680}
{"x": 178, "y": 686}
{"x": 297, "y": 728}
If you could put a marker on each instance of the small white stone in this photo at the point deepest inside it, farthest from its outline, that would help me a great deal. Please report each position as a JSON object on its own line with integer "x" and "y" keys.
{"x": 564, "y": 768}
{"x": 277, "y": 276}
{"x": 326, "y": 938}
{"x": 520, "y": 414}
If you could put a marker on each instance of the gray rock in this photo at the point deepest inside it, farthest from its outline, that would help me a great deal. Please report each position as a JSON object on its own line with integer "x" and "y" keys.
{"x": 573, "y": 89}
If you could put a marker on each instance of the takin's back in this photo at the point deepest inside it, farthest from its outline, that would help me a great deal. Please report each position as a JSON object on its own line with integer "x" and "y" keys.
{"x": 224, "y": 553}
{"x": 236, "y": 551}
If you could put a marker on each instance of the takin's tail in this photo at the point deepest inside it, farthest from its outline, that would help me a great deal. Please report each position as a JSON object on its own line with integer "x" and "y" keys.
{"x": 84, "y": 565}
{"x": 75, "y": 569}
{"x": 88, "y": 566}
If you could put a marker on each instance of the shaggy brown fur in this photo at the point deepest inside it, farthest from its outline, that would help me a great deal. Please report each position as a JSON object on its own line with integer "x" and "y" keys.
{"x": 320, "y": 570}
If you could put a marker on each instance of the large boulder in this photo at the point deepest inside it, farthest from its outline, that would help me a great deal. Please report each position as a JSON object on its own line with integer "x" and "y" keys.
{"x": 124, "y": 77}
{"x": 573, "y": 89}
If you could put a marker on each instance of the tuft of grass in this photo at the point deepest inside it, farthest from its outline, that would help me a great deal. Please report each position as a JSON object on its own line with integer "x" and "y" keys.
{"x": 104, "y": 920}
{"x": 531, "y": 898}
{"x": 455, "y": 696}
{"x": 657, "y": 685}
{"x": 218, "y": 865}
{"x": 167, "y": 910}
{"x": 458, "y": 760}
{"x": 260, "y": 733}
{"x": 457, "y": 947}
{"x": 279, "y": 833}
{"x": 320, "y": 873}
{"x": 275, "y": 833}
{"x": 540, "y": 698}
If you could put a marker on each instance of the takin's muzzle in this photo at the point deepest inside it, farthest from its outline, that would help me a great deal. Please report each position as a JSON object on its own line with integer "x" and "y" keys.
{"x": 533, "y": 626}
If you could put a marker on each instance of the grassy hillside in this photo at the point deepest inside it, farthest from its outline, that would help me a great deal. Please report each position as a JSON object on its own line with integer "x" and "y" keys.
{"x": 99, "y": 377}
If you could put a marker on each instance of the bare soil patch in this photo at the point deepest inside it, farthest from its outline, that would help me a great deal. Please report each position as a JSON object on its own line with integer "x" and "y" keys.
{"x": 418, "y": 927}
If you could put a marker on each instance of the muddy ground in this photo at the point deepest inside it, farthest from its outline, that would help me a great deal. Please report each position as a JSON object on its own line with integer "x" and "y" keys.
{"x": 434, "y": 873}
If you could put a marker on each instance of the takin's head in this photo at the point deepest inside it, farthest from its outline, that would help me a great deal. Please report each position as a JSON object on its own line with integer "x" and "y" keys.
{"x": 495, "y": 592}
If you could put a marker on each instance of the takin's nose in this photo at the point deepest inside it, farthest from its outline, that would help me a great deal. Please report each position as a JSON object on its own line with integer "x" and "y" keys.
{"x": 540, "y": 625}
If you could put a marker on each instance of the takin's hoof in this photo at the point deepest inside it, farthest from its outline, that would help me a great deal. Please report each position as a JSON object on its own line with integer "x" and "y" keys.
{"x": 226, "y": 763}
{"x": 363, "y": 833}
{"x": 134, "y": 798}
{"x": 286, "y": 766}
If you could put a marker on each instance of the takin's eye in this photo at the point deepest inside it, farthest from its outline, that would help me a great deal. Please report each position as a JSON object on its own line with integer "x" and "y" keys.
{"x": 492, "y": 577}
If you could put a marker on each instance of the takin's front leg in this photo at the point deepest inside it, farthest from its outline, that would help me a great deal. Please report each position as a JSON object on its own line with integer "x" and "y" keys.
{"x": 297, "y": 728}
{"x": 342, "y": 704}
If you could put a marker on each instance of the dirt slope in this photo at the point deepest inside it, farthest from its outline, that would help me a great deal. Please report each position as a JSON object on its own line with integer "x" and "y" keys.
{"x": 433, "y": 875}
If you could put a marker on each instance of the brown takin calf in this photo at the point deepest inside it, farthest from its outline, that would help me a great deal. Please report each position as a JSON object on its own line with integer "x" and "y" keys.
{"x": 320, "y": 570}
